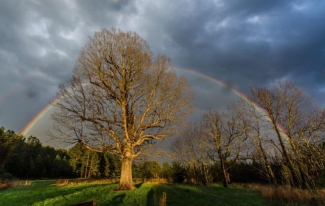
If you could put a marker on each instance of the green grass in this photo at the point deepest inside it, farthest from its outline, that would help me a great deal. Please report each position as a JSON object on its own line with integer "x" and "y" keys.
{"x": 46, "y": 193}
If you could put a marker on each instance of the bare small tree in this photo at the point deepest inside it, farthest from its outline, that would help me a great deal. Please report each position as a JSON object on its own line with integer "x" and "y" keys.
{"x": 191, "y": 148}
{"x": 226, "y": 135}
{"x": 120, "y": 98}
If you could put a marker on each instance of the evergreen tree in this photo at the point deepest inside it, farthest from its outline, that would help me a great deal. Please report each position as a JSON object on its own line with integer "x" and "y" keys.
{"x": 179, "y": 172}
{"x": 66, "y": 169}
{"x": 40, "y": 170}
{"x": 48, "y": 165}
{"x": 104, "y": 165}
{"x": 8, "y": 142}
{"x": 31, "y": 168}
{"x": 57, "y": 166}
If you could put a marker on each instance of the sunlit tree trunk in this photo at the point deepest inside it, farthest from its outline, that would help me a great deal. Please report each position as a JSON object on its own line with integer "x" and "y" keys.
{"x": 126, "y": 181}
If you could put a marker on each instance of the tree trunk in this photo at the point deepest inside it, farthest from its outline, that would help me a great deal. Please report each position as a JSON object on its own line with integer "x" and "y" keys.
{"x": 126, "y": 182}
{"x": 225, "y": 178}
{"x": 86, "y": 168}
{"x": 268, "y": 168}
{"x": 205, "y": 182}
{"x": 90, "y": 168}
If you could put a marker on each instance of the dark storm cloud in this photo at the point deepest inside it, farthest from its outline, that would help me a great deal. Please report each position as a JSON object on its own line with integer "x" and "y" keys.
{"x": 40, "y": 42}
{"x": 249, "y": 42}
{"x": 243, "y": 43}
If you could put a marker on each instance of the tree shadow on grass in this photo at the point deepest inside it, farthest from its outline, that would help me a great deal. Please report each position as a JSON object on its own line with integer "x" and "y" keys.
{"x": 151, "y": 198}
{"x": 203, "y": 195}
{"x": 117, "y": 200}
{"x": 138, "y": 185}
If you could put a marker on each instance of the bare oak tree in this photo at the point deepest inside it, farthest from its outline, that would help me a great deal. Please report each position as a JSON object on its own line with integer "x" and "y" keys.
{"x": 121, "y": 97}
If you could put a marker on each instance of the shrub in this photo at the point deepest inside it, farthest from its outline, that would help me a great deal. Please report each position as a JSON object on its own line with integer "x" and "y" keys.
{"x": 179, "y": 172}
{"x": 6, "y": 176}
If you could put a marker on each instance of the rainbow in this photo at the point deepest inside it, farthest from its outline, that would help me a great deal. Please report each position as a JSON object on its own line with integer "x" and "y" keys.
{"x": 34, "y": 121}
{"x": 235, "y": 91}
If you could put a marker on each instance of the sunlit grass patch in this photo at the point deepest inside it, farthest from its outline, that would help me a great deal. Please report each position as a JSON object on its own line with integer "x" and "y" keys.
{"x": 47, "y": 193}
{"x": 85, "y": 181}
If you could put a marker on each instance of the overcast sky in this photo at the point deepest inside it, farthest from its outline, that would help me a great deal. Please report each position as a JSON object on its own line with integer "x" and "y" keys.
{"x": 240, "y": 42}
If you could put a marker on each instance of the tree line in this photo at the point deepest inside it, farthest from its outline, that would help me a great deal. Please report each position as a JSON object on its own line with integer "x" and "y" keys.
{"x": 26, "y": 158}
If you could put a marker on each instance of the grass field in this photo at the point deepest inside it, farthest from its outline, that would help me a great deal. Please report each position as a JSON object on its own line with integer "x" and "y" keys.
{"x": 46, "y": 193}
